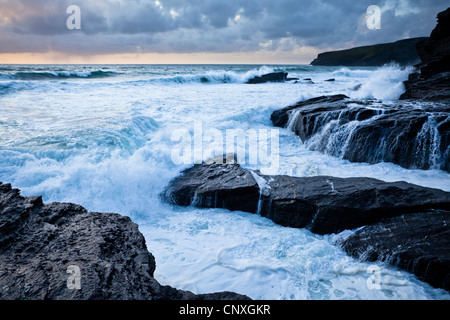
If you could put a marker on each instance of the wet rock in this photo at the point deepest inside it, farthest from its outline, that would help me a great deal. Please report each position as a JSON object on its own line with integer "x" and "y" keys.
{"x": 59, "y": 251}
{"x": 410, "y": 135}
{"x": 432, "y": 79}
{"x": 225, "y": 186}
{"x": 399, "y": 223}
{"x": 418, "y": 243}
{"x": 321, "y": 204}
{"x": 271, "y": 77}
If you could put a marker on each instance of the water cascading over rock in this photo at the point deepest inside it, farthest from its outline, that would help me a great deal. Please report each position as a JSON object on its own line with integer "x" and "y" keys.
{"x": 411, "y": 135}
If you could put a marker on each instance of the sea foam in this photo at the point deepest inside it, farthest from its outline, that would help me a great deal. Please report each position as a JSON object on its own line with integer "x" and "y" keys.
{"x": 106, "y": 144}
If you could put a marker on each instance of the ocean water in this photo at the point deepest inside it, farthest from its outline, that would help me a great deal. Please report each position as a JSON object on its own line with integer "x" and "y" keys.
{"x": 102, "y": 136}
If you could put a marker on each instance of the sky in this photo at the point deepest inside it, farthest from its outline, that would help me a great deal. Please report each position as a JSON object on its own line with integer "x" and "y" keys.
{"x": 202, "y": 31}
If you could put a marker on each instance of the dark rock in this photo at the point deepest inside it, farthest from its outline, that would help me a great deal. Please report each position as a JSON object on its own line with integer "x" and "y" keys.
{"x": 308, "y": 80}
{"x": 402, "y": 52}
{"x": 215, "y": 186}
{"x": 434, "y": 88}
{"x": 331, "y": 80}
{"x": 280, "y": 118}
{"x": 38, "y": 243}
{"x": 432, "y": 79}
{"x": 369, "y": 131}
{"x": 321, "y": 204}
{"x": 437, "y": 46}
{"x": 270, "y": 77}
{"x": 418, "y": 243}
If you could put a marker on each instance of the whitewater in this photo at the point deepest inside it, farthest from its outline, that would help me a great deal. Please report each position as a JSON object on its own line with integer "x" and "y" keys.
{"x": 102, "y": 136}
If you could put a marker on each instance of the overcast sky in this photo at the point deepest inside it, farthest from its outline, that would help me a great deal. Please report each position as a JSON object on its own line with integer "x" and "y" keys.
{"x": 210, "y": 31}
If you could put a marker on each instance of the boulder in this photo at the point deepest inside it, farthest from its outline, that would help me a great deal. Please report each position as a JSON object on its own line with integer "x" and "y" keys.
{"x": 227, "y": 186}
{"x": 60, "y": 251}
{"x": 399, "y": 223}
{"x": 412, "y": 136}
{"x": 321, "y": 204}
{"x": 418, "y": 243}
{"x": 271, "y": 77}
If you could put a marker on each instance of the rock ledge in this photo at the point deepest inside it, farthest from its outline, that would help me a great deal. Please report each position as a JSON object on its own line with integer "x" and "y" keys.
{"x": 40, "y": 242}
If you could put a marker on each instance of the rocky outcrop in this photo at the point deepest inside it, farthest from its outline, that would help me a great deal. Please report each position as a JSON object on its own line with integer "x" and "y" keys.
{"x": 321, "y": 204}
{"x": 418, "y": 243}
{"x": 271, "y": 77}
{"x": 402, "y": 52}
{"x": 399, "y": 223}
{"x": 432, "y": 79}
{"x": 59, "y": 251}
{"x": 215, "y": 186}
{"x": 412, "y": 136}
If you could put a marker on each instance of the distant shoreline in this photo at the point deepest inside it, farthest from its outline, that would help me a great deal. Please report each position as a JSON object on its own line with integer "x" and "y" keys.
{"x": 402, "y": 52}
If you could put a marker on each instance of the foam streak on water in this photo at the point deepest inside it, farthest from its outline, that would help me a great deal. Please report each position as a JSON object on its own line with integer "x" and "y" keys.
{"x": 100, "y": 136}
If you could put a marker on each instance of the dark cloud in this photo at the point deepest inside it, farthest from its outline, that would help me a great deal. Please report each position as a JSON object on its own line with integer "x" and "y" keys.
{"x": 121, "y": 26}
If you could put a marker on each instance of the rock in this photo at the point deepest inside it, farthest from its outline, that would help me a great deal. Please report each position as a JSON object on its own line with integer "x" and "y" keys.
{"x": 330, "y": 80}
{"x": 432, "y": 79}
{"x": 321, "y": 204}
{"x": 271, "y": 77}
{"x": 215, "y": 186}
{"x": 402, "y": 52}
{"x": 44, "y": 247}
{"x": 414, "y": 137}
{"x": 280, "y": 118}
{"x": 433, "y": 88}
{"x": 437, "y": 46}
{"x": 418, "y": 243}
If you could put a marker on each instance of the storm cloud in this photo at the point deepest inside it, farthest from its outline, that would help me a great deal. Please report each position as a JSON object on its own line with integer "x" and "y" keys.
{"x": 178, "y": 26}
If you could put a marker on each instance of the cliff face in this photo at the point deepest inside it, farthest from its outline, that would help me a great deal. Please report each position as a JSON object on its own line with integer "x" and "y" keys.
{"x": 402, "y": 52}
{"x": 432, "y": 80}
{"x": 60, "y": 251}
{"x": 437, "y": 46}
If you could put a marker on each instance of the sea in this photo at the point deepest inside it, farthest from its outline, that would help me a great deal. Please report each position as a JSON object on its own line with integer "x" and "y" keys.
{"x": 108, "y": 137}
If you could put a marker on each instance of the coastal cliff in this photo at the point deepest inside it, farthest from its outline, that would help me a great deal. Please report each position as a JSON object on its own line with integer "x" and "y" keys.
{"x": 401, "y": 52}
{"x": 431, "y": 81}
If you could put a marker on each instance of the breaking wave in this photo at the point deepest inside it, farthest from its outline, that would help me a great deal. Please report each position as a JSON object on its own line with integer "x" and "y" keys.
{"x": 56, "y": 75}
